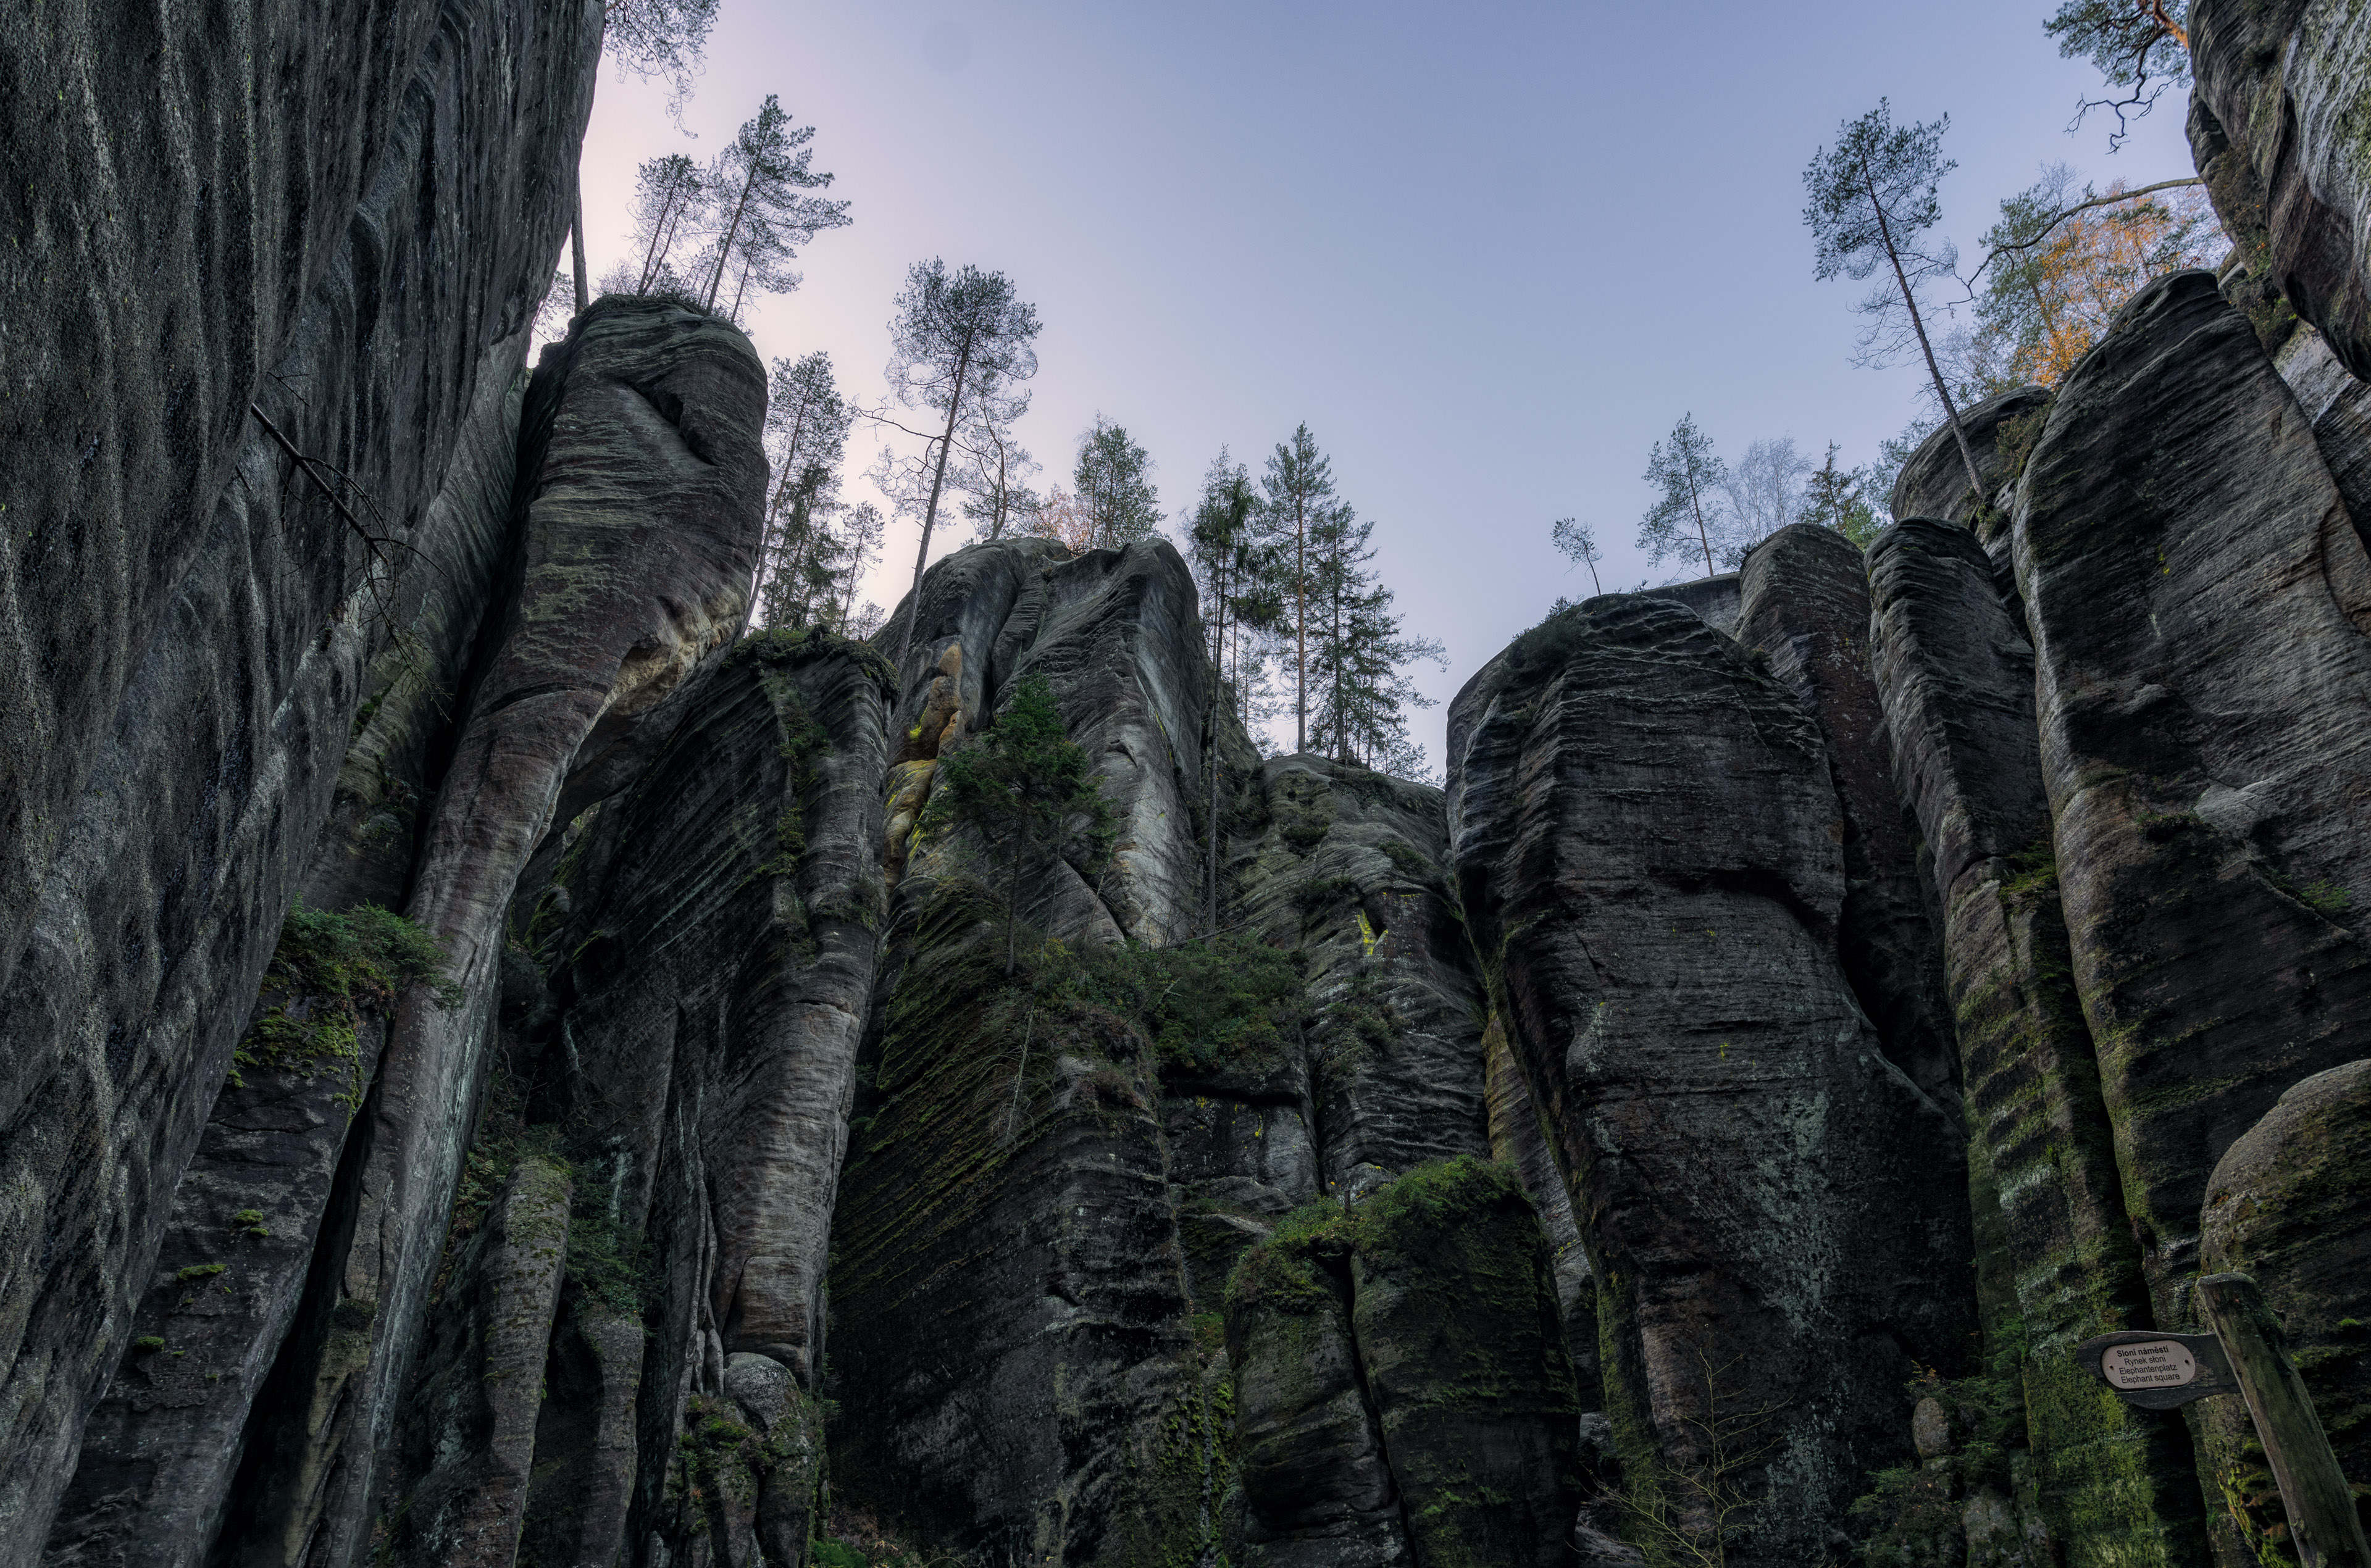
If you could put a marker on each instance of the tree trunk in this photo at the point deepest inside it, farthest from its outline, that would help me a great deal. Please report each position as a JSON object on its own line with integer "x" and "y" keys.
{"x": 1910, "y": 303}
{"x": 732, "y": 233}
{"x": 576, "y": 248}
{"x": 931, "y": 511}
{"x": 1696, "y": 502}
{"x": 1300, "y": 626}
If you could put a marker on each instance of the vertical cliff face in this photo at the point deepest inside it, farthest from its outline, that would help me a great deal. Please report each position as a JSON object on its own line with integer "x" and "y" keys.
{"x": 2201, "y": 662}
{"x": 2283, "y": 87}
{"x": 2056, "y": 1260}
{"x": 712, "y": 932}
{"x": 1755, "y": 1180}
{"x": 1807, "y": 608}
{"x": 358, "y": 213}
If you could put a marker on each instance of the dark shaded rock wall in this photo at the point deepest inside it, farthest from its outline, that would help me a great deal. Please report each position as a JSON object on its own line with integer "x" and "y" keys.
{"x": 1010, "y": 1187}
{"x": 1317, "y": 1488}
{"x": 694, "y": 1056}
{"x": 356, "y": 259}
{"x": 2056, "y": 1260}
{"x": 153, "y": 1478}
{"x": 637, "y": 499}
{"x": 2198, "y": 603}
{"x": 1349, "y": 866}
{"x": 1807, "y": 608}
{"x": 1402, "y": 1392}
{"x": 1934, "y": 481}
{"x": 1747, "y": 1167}
{"x": 2282, "y": 84}
{"x": 473, "y": 1418}
{"x": 1460, "y": 1340}
{"x": 156, "y": 273}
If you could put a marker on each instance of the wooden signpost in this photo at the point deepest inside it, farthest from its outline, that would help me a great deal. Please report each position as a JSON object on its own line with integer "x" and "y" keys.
{"x": 2244, "y": 1356}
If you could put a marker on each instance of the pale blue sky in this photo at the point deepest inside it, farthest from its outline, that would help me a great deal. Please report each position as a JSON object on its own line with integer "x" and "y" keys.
{"x": 1490, "y": 253}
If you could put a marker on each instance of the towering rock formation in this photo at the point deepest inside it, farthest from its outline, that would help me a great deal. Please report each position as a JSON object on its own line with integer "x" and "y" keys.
{"x": 1758, "y": 1185}
{"x": 2284, "y": 85}
{"x": 260, "y": 309}
{"x": 1807, "y": 608}
{"x": 2056, "y": 1259}
{"x": 1811, "y": 976}
{"x": 2201, "y": 672}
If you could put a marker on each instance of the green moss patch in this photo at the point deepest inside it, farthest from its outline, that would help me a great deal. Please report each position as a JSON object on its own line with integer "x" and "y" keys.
{"x": 328, "y": 971}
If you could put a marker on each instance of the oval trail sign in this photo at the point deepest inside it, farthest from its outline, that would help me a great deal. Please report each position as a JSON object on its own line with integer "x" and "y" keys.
{"x": 2149, "y": 1364}
{"x": 2156, "y": 1370}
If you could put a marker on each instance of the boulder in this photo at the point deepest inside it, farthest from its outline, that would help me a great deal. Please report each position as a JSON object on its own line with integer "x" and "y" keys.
{"x": 1747, "y": 1166}
{"x": 2289, "y": 1204}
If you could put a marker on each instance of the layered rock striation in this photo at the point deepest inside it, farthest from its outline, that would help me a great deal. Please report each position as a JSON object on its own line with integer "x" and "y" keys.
{"x": 261, "y": 311}
{"x": 1755, "y": 1180}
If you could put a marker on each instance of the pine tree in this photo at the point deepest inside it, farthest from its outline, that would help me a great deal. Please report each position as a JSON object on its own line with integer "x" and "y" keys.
{"x": 1361, "y": 654}
{"x": 756, "y": 215}
{"x": 1578, "y": 540}
{"x": 806, "y": 433}
{"x": 1296, "y": 488}
{"x": 1114, "y": 487}
{"x": 667, "y": 195}
{"x": 859, "y": 540}
{"x": 1684, "y": 467}
{"x": 959, "y": 342}
{"x": 1026, "y": 789}
{"x": 995, "y": 467}
{"x": 1832, "y": 498}
{"x": 1871, "y": 195}
{"x": 1231, "y": 568}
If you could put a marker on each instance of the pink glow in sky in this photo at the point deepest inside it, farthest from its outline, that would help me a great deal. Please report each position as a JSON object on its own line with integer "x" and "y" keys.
{"x": 1490, "y": 253}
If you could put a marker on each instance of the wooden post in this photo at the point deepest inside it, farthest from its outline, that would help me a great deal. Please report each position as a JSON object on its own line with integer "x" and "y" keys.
{"x": 2323, "y": 1525}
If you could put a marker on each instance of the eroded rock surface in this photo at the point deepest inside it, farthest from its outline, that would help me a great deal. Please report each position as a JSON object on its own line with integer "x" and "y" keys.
{"x": 1934, "y": 481}
{"x": 344, "y": 225}
{"x": 1807, "y": 608}
{"x": 2290, "y": 1204}
{"x": 639, "y": 482}
{"x": 2055, "y": 1249}
{"x": 2285, "y": 87}
{"x": 695, "y": 1057}
{"x": 1681, "y": 1016}
{"x": 1347, "y": 866}
{"x": 2202, "y": 680}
